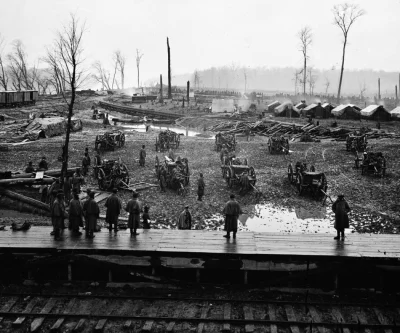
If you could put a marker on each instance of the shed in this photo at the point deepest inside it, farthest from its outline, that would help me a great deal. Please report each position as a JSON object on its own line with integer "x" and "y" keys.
{"x": 309, "y": 110}
{"x": 395, "y": 113}
{"x": 348, "y": 111}
{"x": 328, "y": 110}
{"x": 223, "y": 105}
{"x": 375, "y": 112}
{"x": 286, "y": 110}
{"x": 301, "y": 105}
{"x": 271, "y": 107}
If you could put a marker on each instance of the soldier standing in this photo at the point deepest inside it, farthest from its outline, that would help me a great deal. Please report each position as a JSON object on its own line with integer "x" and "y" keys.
{"x": 57, "y": 214}
{"x": 163, "y": 181}
{"x": 77, "y": 180}
{"x": 75, "y": 214}
{"x": 142, "y": 156}
{"x": 85, "y": 164}
{"x": 231, "y": 211}
{"x": 97, "y": 162}
{"x": 340, "y": 207}
{"x": 114, "y": 207}
{"x": 53, "y": 191}
{"x": 91, "y": 212}
{"x": 185, "y": 220}
{"x": 244, "y": 182}
{"x": 29, "y": 168}
{"x": 200, "y": 187}
{"x": 134, "y": 208}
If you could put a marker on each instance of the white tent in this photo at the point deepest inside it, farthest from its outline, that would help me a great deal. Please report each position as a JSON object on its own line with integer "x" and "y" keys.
{"x": 395, "y": 113}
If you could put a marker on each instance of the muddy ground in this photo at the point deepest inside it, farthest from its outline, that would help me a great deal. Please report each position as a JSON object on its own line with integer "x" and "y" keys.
{"x": 375, "y": 201}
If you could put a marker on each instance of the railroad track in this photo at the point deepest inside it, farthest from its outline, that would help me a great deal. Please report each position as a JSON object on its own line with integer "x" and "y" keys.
{"x": 167, "y": 313}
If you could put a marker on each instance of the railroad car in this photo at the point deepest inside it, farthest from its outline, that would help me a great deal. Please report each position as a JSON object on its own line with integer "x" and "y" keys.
{"x": 18, "y": 98}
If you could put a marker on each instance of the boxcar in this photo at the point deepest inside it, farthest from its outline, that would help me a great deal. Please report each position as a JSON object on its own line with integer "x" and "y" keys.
{"x": 17, "y": 98}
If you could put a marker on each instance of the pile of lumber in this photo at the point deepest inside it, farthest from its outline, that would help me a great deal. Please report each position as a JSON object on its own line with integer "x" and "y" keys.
{"x": 295, "y": 130}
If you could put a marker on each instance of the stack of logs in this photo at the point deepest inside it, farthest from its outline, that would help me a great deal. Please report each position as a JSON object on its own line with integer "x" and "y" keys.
{"x": 271, "y": 127}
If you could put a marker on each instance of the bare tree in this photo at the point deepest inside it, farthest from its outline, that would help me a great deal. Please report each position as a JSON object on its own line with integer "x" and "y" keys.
{"x": 67, "y": 57}
{"x": 3, "y": 71}
{"x": 138, "y": 58}
{"x": 344, "y": 17}
{"x": 19, "y": 67}
{"x": 312, "y": 79}
{"x": 305, "y": 36}
{"x": 57, "y": 75}
{"x": 121, "y": 60}
{"x": 296, "y": 79}
{"x": 327, "y": 84}
{"x": 101, "y": 75}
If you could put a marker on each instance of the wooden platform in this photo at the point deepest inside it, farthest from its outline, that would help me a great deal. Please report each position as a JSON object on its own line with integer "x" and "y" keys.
{"x": 194, "y": 242}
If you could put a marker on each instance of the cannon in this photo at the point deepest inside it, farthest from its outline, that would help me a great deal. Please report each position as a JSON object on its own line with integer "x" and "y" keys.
{"x": 371, "y": 164}
{"x": 109, "y": 140}
{"x": 278, "y": 144}
{"x": 229, "y": 140}
{"x": 355, "y": 143}
{"x": 236, "y": 171}
{"x": 167, "y": 139}
{"x": 308, "y": 180}
{"x": 112, "y": 173}
{"x": 173, "y": 174}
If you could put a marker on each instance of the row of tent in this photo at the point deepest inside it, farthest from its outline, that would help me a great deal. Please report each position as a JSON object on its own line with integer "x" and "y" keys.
{"x": 327, "y": 110}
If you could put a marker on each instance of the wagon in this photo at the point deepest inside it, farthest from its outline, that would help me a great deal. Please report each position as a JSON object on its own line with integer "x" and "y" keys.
{"x": 109, "y": 140}
{"x": 167, "y": 139}
{"x": 356, "y": 143}
{"x": 311, "y": 181}
{"x": 237, "y": 172}
{"x": 372, "y": 164}
{"x": 112, "y": 173}
{"x": 229, "y": 140}
{"x": 175, "y": 175}
{"x": 278, "y": 144}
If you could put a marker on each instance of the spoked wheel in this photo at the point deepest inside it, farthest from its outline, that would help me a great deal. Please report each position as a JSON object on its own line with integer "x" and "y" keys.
{"x": 157, "y": 168}
{"x": 290, "y": 173}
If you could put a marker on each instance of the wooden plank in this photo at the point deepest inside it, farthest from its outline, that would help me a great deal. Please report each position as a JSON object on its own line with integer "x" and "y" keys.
{"x": 7, "y": 307}
{"x": 80, "y": 324}
{"x": 100, "y": 325}
{"x": 272, "y": 316}
{"x": 102, "y": 196}
{"x": 149, "y": 323}
{"x": 67, "y": 310}
{"x": 227, "y": 315}
{"x": 248, "y": 315}
{"x": 291, "y": 317}
{"x": 339, "y": 318}
{"x": 382, "y": 320}
{"x": 37, "y": 322}
{"x": 204, "y": 312}
{"x": 28, "y": 309}
{"x": 317, "y": 319}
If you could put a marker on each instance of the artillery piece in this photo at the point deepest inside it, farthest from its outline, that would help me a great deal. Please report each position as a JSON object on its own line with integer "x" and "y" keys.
{"x": 109, "y": 140}
{"x": 355, "y": 143}
{"x": 167, "y": 139}
{"x": 278, "y": 144}
{"x": 371, "y": 163}
{"x": 308, "y": 180}
{"x": 237, "y": 172}
{"x": 112, "y": 173}
{"x": 229, "y": 140}
{"x": 173, "y": 174}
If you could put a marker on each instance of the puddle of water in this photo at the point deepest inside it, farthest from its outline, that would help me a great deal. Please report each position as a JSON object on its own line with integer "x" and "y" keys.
{"x": 270, "y": 218}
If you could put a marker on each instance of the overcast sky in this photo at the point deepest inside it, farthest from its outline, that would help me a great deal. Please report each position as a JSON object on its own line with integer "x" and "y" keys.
{"x": 210, "y": 32}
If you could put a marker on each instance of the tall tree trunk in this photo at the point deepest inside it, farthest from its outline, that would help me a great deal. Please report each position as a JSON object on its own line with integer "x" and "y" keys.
{"x": 305, "y": 75}
{"x": 138, "y": 76}
{"x": 187, "y": 92}
{"x": 341, "y": 70}
{"x": 161, "y": 90}
{"x": 169, "y": 70}
{"x": 115, "y": 72}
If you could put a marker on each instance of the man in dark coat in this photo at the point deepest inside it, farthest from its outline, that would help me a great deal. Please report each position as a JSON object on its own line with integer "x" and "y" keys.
{"x": 85, "y": 164}
{"x": 97, "y": 162}
{"x": 185, "y": 220}
{"x": 29, "y": 168}
{"x": 57, "y": 214}
{"x": 67, "y": 189}
{"x": 77, "y": 181}
{"x": 142, "y": 156}
{"x": 200, "y": 187}
{"x": 43, "y": 164}
{"x": 75, "y": 214}
{"x": 134, "y": 208}
{"x": 231, "y": 211}
{"x": 114, "y": 206}
{"x": 91, "y": 212}
{"x": 340, "y": 207}
{"x": 53, "y": 191}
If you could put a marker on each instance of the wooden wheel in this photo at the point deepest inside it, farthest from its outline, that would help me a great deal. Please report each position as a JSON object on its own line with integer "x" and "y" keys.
{"x": 290, "y": 173}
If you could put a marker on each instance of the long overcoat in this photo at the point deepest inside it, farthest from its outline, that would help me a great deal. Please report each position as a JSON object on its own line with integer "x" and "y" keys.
{"x": 232, "y": 211}
{"x": 341, "y": 208}
{"x": 134, "y": 209}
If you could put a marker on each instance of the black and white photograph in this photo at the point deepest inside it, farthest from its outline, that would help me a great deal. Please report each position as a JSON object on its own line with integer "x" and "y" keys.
{"x": 200, "y": 166}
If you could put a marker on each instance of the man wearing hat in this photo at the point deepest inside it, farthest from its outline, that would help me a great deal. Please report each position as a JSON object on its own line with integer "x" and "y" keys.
{"x": 134, "y": 208}
{"x": 29, "y": 168}
{"x": 91, "y": 212}
{"x": 340, "y": 207}
{"x": 43, "y": 164}
{"x": 142, "y": 156}
{"x": 114, "y": 206}
{"x": 231, "y": 211}
{"x": 200, "y": 187}
{"x": 75, "y": 214}
{"x": 57, "y": 214}
{"x": 77, "y": 180}
{"x": 185, "y": 219}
